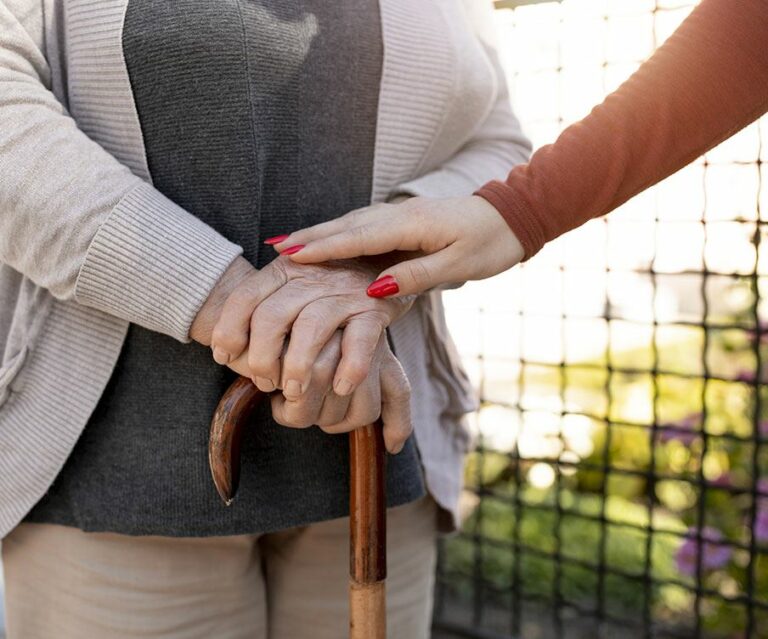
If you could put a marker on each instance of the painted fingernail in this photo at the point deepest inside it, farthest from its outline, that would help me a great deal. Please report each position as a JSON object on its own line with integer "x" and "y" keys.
{"x": 383, "y": 287}
{"x": 220, "y": 356}
{"x": 292, "y": 388}
{"x": 342, "y": 387}
{"x": 276, "y": 240}
{"x": 292, "y": 249}
{"x": 265, "y": 385}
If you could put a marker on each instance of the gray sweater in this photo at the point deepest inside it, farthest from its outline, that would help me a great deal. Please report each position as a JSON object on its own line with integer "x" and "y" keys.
{"x": 88, "y": 245}
{"x": 292, "y": 144}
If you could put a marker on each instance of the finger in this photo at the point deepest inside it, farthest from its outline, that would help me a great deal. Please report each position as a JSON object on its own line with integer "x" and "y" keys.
{"x": 287, "y": 413}
{"x": 270, "y": 324}
{"x": 420, "y": 274}
{"x": 306, "y": 410}
{"x": 395, "y": 405}
{"x": 325, "y": 229}
{"x": 229, "y": 338}
{"x": 314, "y": 326}
{"x": 395, "y": 232}
{"x": 334, "y": 409}
{"x": 364, "y": 408}
{"x": 358, "y": 347}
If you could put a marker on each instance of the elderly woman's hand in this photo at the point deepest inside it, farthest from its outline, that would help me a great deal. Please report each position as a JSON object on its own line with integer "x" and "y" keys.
{"x": 303, "y": 305}
{"x": 384, "y": 392}
{"x": 458, "y": 239}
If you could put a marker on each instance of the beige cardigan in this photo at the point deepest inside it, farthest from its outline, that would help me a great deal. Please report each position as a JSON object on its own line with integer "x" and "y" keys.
{"x": 87, "y": 245}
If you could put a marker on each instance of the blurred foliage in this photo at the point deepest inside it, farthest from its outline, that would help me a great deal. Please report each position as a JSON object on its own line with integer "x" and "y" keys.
{"x": 703, "y": 434}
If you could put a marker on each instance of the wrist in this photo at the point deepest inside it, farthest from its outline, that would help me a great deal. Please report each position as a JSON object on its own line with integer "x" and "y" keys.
{"x": 208, "y": 315}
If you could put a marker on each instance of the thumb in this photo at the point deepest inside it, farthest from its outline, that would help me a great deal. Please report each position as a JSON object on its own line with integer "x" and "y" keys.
{"x": 417, "y": 275}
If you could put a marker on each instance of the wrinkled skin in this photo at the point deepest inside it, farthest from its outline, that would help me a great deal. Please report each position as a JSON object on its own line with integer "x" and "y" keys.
{"x": 314, "y": 333}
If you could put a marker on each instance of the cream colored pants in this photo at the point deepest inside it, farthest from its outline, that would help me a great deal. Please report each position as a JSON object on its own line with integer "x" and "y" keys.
{"x": 62, "y": 583}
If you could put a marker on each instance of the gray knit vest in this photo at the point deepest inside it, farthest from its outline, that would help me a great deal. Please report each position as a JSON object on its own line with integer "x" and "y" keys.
{"x": 259, "y": 117}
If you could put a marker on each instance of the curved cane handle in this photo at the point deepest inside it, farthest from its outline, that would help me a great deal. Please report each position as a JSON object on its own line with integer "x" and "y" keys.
{"x": 232, "y": 413}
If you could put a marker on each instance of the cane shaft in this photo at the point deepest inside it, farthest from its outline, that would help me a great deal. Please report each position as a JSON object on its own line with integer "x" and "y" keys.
{"x": 367, "y": 611}
{"x": 368, "y": 530}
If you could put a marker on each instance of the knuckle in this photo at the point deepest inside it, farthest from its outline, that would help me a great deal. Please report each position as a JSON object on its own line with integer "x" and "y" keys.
{"x": 417, "y": 272}
{"x": 227, "y": 339}
{"x": 323, "y": 370}
{"x": 259, "y": 365}
{"x": 357, "y": 370}
{"x": 298, "y": 364}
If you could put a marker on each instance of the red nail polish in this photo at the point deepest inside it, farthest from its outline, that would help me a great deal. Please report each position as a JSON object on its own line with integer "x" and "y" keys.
{"x": 292, "y": 249}
{"x": 276, "y": 240}
{"x": 384, "y": 287}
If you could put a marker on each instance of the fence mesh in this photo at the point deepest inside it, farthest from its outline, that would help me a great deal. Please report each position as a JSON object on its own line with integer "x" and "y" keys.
{"x": 619, "y": 484}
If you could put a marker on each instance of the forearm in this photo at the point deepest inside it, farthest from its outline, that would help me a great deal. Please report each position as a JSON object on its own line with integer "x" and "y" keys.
{"x": 706, "y": 82}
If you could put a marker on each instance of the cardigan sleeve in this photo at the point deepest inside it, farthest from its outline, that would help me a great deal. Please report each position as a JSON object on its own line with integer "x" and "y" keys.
{"x": 709, "y": 80}
{"x": 498, "y": 142}
{"x": 76, "y": 221}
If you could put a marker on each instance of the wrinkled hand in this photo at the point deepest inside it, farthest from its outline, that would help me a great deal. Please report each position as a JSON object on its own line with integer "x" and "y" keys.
{"x": 298, "y": 308}
{"x": 384, "y": 392}
{"x": 458, "y": 239}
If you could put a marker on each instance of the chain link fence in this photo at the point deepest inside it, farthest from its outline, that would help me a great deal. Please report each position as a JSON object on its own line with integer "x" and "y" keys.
{"x": 620, "y": 482}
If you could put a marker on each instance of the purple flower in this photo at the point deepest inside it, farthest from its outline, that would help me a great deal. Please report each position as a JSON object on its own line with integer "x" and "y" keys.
{"x": 761, "y": 526}
{"x": 723, "y": 480}
{"x": 716, "y": 553}
{"x": 746, "y": 375}
{"x": 684, "y": 430}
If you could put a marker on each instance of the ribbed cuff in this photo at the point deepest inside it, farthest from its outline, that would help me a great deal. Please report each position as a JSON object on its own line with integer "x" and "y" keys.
{"x": 523, "y": 223}
{"x": 153, "y": 264}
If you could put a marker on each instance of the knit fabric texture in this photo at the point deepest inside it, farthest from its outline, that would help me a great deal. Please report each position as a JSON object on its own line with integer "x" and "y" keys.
{"x": 295, "y": 92}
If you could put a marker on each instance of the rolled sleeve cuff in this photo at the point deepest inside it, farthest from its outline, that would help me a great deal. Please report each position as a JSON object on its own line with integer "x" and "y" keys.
{"x": 523, "y": 223}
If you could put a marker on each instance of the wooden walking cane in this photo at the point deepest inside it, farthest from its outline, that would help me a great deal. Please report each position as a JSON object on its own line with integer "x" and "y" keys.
{"x": 367, "y": 502}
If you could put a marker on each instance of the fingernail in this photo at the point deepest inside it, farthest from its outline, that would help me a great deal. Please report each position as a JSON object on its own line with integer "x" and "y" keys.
{"x": 264, "y": 384}
{"x": 292, "y": 388}
{"x": 342, "y": 387}
{"x": 221, "y": 356}
{"x": 276, "y": 240}
{"x": 292, "y": 249}
{"x": 398, "y": 449}
{"x": 383, "y": 287}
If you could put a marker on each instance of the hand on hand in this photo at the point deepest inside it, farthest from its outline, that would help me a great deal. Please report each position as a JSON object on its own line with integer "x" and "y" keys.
{"x": 339, "y": 381}
{"x": 458, "y": 239}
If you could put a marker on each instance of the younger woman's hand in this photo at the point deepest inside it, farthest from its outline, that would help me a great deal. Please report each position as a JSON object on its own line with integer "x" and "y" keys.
{"x": 456, "y": 239}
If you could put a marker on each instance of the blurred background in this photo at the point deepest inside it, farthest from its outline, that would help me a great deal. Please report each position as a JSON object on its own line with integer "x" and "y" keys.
{"x": 622, "y": 443}
{"x": 620, "y": 481}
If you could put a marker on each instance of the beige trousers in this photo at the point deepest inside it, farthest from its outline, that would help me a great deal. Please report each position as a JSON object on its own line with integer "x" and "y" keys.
{"x": 62, "y": 583}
